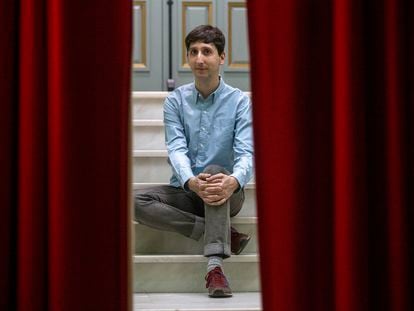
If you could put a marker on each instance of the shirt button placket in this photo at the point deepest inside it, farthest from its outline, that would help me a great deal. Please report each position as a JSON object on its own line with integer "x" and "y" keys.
{"x": 203, "y": 135}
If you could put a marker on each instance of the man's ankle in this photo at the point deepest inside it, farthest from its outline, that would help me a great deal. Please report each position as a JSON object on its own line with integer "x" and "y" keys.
{"x": 213, "y": 262}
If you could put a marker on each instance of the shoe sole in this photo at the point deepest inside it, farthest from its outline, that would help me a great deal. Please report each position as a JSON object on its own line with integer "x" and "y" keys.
{"x": 243, "y": 244}
{"x": 219, "y": 293}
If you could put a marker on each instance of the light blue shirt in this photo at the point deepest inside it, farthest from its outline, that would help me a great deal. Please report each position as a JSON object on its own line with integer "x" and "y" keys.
{"x": 214, "y": 130}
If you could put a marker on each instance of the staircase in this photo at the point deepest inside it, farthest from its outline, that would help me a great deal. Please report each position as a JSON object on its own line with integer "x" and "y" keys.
{"x": 168, "y": 265}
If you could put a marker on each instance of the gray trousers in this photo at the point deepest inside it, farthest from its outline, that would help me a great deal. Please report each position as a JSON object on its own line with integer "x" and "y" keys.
{"x": 174, "y": 209}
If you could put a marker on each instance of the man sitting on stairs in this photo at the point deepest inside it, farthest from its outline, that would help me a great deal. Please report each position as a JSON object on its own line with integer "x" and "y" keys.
{"x": 208, "y": 133}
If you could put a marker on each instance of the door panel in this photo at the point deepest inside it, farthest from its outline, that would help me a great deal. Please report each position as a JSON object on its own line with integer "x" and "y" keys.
{"x": 233, "y": 21}
{"x": 148, "y": 59}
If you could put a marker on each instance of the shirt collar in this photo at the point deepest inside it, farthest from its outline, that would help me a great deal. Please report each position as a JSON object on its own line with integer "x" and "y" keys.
{"x": 220, "y": 87}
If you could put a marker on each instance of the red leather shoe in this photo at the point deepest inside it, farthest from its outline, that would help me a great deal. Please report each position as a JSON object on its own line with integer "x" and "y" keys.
{"x": 238, "y": 241}
{"x": 217, "y": 284}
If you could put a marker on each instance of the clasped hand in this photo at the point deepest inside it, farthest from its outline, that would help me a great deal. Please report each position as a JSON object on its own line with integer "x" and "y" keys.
{"x": 213, "y": 189}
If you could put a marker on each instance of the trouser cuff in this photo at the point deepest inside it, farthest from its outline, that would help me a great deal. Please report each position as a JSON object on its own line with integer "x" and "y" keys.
{"x": 217, "y": 249}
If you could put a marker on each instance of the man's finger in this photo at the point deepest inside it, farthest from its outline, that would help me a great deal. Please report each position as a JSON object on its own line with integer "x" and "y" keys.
{"x": 215, "y": 177}
{"x": 215, "y": 189}
{"x": 203, "y": 176}
{"x": 214, "y": 185}
{"x": 213, "y": 197}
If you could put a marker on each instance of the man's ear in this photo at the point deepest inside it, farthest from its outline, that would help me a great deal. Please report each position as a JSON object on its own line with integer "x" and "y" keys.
{"x": 222, "y": 57}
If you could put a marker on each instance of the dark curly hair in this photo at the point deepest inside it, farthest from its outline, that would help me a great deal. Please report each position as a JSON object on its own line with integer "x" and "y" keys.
{"x": 206, "y": 34}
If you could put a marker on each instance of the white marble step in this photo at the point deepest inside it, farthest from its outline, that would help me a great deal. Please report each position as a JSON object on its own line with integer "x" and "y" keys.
{"x": 149, "y": 136}
{"x": 151, "y": 166}
{"x": 185, "y": 273}
{"x": 157, "y": 153}
{"x": 152, "y": 241}
{"x": 249, "y": 205}
{"x": 148, "y": 105}
{"x": 148, "y": 122}
{"x": 197, "y": 302}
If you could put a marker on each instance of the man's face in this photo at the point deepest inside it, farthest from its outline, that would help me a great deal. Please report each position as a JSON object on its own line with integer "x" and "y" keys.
{"x": 204, "y": 60}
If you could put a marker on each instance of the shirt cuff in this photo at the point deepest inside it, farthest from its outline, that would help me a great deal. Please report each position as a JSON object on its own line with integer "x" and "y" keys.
{"x": 185, "y": 175}
{"x": 240, "y": 180}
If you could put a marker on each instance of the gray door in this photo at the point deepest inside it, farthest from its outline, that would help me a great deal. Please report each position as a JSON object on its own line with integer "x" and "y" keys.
{"x": 151, "y": 48}
{"x": 148, "y": 45}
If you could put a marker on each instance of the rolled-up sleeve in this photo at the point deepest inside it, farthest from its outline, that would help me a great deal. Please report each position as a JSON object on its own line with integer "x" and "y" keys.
{"x": 243, "y": 143}
{"x": 176, "y": 142}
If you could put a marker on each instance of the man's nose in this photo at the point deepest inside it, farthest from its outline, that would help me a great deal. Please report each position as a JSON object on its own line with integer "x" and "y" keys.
{"x": 199, "y": 57}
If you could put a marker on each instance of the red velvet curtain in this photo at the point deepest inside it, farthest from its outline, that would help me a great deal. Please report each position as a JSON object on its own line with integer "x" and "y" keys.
{"x": 64, "y": 124}
{"x": 333, "y": 97}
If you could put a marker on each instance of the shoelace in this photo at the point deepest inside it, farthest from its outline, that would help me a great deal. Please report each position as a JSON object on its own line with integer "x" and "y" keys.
{"x": 216, "y": 275}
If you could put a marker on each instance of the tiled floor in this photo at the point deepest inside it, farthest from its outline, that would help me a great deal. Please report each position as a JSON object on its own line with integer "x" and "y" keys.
{"x": 196, "y": 302}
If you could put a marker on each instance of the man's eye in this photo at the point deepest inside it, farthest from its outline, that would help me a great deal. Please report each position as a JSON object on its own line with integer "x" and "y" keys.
{"x": 207, "y": 52}
{"x": 193, "y": 52}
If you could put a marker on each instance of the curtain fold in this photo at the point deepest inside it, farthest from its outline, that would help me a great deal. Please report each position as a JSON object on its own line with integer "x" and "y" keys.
{"x": 8, "y": 146}
{"x": 65, "y": 90}
{"x": 397, "y": 132}
{"x": 32, "y": 207}
{"x": 333, "y": 105}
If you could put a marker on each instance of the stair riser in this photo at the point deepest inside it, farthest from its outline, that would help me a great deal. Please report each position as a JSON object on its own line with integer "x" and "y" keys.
{"x": 249, "y": 205}
{"x": 151, "y": 170}
{"x": 147, "y": 109}
{"x": 148, "y": 138}
{"x": 249, "y": 301}
{"x": 152, "y": 241}
{"x": 189, "y": 277}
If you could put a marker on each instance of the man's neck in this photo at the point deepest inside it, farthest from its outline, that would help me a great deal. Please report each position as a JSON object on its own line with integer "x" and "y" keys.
{"x": 207, "y": 87}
